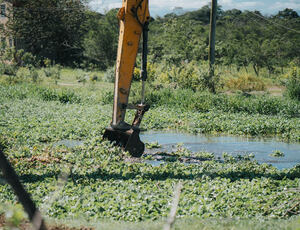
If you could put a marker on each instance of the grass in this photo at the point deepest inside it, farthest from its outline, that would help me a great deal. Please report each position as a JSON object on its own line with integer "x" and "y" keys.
{"x": 191, "y": 223}
{"x": 102, "y": 189}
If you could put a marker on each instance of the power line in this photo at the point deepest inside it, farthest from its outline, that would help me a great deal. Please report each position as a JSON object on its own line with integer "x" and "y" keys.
{"x": 288, "y": 28}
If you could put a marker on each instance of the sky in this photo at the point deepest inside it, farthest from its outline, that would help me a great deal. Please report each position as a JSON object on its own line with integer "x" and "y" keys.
{"x": 162, "y": 7}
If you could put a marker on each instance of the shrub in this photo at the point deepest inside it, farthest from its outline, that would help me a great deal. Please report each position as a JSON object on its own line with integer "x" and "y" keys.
{"x": 63, "y": 96}
{"x": 94, "y": 77}
{"x": 47, "y": 94}
{"x": 152, "y": 70}
{"x": 53, "y": 72}
{"x": 107, "y": 98}
{"x": 245, "y": 83}
{"x": 276, "y": 153}
{"x": 8, "y": 68}
{"x": 28, "y": 59}
{"x": 1, "y": 68}
{"x": 68, "y": 96}
{"x": 81, "y": 76}
{"x": 136, "y": 74}
{"x": 186, "y": 76}
{"x": 34, "y": 75}
{"x": 109, "y": 75}
{"x": 21, "y": 58}
{"x": 293, "y": 84}
{"x": 204, "y": 101}
{"x": 206, "y": 81}
{"x": 47, "y": 62}
{"x": 22, "y": 74}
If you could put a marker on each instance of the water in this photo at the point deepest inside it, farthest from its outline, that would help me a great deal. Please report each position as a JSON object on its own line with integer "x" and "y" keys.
{"x": 68, "y": 143}
{"x": 261, "y": 148}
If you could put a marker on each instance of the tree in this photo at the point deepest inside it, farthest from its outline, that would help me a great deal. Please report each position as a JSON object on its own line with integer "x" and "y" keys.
{"x": 287, "y": 14}
{"x": 203, "y": 14}
{"x": 101, "y": 41}
{"x": 49, "y": 29}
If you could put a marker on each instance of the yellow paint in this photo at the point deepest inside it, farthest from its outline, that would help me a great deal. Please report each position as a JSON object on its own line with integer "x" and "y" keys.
{"x": 129, "y": 37}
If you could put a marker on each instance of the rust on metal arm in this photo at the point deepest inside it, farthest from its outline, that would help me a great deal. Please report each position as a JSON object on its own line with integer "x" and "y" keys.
{"x": 133, "y": 15}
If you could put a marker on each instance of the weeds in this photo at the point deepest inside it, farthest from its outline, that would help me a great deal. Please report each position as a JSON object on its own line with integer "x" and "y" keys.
{"x": 293, "y": 84}
{"x": 245, "y": 83}
{"x": 277, "y": 153}
{"x": 109, "y": 75}
{"x": 63, "y": 96}
{"x": 102, "y": 186}
{"x": 204, "y": 102}
{"x": 53, "y": 72}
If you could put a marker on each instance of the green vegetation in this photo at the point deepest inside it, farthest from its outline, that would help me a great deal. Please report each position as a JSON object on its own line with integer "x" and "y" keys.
{"x": 277, "y": 153}
{"x": 153, "y": 145}
{"x": 244, "y": 38}
{"x": 42, "y": 101}
{"x": 293, "y": 84}
{"x": 254, "y": 53}
{"x": 51, "y": 29}
{"x": 181, "y": 109}
{"x": 100, "y": 185}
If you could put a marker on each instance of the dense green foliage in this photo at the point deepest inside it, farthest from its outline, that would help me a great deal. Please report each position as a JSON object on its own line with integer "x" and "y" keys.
{"x": 102, "y": 185}
{"x": 100, "y": 43}
{"x": 293, "y": 84}
{"x": 51, "y": 29}
{"x": 99, "y": 181}
{"x": 181, "y": 109}
{"x": 204, "y": 102}
{"x": 65, "y": 31}
{"x": 243, "y": 38}
{"x": 102, "y": 182}
{"x": 248, "y": 43}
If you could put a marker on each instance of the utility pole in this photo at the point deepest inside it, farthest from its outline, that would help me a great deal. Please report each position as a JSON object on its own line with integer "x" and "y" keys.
{"x": 212, "y": 37}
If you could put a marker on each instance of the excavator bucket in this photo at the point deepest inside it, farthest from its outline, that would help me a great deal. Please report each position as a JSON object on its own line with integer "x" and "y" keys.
{"x": 129, "y": 140}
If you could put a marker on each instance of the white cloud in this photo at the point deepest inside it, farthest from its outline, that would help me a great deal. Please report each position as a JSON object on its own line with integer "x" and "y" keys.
{"x": 161, "y": 7}
{"x": 226, "y": 2}
{"x": 287, "y": 4}
{"x": 114, "y": 5}
{"x": 230, "y": 4}
{"x": 193, "y": 4}
{"x": 156, "y": 6}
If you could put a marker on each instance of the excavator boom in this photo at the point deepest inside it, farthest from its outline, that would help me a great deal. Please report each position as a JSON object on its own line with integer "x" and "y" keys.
{"x": 134, "y": 17}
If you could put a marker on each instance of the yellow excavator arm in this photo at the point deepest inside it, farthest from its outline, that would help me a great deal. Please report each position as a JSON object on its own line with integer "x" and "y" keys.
{"x": 133, "y": 16}
{"x": 134, "y": 19}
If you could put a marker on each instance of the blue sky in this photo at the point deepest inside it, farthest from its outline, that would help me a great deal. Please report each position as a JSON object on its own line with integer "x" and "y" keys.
{"x": 161, "y": 7}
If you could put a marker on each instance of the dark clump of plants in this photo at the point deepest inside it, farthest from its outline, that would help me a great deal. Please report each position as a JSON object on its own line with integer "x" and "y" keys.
{"x": 63, "y": 96}
{"x": 21, "y": 92}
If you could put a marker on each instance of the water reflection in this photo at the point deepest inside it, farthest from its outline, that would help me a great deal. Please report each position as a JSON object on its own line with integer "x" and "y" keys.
{"x": 260, "y": 147}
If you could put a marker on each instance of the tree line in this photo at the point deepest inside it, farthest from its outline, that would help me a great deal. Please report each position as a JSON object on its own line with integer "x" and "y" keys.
{"x": 243, "y": 38}
{"x": 69, "y": 33}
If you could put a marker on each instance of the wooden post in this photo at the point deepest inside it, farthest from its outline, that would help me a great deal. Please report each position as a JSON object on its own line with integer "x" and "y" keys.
{"x": 212, "y": 36}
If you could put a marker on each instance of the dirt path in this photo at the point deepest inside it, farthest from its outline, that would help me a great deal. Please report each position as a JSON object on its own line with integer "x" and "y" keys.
{"x": 25, "y": 225}
{"x": 68, "y": 84}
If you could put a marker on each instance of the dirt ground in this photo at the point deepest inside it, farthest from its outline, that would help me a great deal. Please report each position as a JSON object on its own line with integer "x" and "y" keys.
{"x": 25, "y": 225}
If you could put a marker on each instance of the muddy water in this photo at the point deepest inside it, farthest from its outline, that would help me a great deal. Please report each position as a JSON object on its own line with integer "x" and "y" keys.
{"x": 261, "y": 148}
